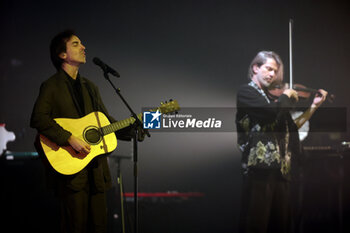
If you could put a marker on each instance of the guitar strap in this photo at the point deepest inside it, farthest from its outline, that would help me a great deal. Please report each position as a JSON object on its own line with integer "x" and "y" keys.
{"x": 95, "y": 162}
{"x": 95, "y": 105}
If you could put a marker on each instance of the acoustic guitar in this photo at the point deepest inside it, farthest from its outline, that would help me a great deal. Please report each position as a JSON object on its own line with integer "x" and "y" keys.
{"x": 96, "y": 130}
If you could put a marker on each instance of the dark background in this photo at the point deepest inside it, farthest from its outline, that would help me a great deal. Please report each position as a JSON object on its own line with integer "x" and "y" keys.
{"x": 196, "y": 52}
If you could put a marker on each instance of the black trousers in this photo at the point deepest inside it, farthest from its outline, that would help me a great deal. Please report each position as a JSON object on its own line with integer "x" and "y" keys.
{"x": 265, "y": 205}
{"x": 83, "y": 211}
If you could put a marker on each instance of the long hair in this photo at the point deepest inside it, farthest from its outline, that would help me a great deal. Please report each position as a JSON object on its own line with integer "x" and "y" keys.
{"x": 58, "y": 46}
{"x": 261, "y": 59}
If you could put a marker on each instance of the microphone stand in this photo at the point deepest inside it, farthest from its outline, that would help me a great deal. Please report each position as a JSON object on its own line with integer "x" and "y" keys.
{"x": 118, "y": 160}
{"x": 135, "y": 126}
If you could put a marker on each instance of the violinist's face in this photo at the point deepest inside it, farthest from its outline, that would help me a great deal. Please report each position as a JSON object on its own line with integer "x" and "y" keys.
{"x": 266, "y": 74}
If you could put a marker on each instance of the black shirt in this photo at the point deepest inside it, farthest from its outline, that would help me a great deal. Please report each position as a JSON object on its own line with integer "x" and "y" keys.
{"x": 75, "y": 84}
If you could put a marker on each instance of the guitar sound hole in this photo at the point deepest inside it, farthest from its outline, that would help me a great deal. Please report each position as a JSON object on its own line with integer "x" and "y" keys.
{"x": 92, "y": 135}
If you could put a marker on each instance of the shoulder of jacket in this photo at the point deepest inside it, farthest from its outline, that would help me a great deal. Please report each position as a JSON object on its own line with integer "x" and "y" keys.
{"x": 54, "y": 80}
{"x": 86, "y": 80}
{"x": 89, "y": 83}
{"x": 246, "y": 88}
{"x": 59, "y": 76}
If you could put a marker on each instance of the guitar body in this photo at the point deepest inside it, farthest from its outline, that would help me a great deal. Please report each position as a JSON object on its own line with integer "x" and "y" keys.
{"x": 96, "y": 130}
{"x": 66, "y": 160}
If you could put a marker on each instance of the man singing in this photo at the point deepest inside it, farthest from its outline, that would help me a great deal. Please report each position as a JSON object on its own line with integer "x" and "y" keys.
{"x": 67, "y": 94}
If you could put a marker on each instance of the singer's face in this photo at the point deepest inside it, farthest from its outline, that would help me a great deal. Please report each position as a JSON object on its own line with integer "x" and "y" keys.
{"x": 75, "y": 52}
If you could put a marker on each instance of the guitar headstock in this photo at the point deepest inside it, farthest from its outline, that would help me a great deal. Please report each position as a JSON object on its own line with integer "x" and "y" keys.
{"x": 168, "y": 106}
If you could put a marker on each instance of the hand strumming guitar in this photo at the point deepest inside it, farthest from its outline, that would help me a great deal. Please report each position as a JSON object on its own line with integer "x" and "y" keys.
{"x": 79, "y": 145}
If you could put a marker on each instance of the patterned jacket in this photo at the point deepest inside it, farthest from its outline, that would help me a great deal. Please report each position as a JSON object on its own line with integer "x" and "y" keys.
{"x": 267, "y": 135}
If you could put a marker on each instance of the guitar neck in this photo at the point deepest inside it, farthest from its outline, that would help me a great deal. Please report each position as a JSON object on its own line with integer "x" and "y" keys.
{"x": 119, "y": 125}
{"x": 164, "y": 108}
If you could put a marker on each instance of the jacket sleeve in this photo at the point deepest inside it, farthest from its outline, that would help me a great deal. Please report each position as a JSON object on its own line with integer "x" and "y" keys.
{"x": 249, "y": 100}
{"x": 41, "y": 118}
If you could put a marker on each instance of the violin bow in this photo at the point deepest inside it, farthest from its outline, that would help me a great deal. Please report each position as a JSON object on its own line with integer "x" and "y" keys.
{"x": 290, "y": 54}
{"x": 330, "y": 97}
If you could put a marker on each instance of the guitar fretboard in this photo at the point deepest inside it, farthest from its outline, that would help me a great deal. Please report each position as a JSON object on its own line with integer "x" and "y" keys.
{"x": 119, "y": 125}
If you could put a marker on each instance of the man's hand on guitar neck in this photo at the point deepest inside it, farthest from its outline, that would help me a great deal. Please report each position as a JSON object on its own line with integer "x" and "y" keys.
{"x": 79, "y": 145}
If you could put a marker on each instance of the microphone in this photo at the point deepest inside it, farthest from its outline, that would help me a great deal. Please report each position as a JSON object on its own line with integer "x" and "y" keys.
{"x": 105, "y": 67}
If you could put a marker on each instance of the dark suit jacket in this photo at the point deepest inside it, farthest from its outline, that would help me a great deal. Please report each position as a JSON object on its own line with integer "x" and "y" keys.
{"x": 56, "y": 100}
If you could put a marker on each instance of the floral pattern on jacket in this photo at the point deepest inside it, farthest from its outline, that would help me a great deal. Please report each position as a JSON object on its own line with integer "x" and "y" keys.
{"x": 263, "y": 139}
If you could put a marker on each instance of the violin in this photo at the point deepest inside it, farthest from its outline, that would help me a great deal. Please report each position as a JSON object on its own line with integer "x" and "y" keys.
{"x": 277, "y": 89}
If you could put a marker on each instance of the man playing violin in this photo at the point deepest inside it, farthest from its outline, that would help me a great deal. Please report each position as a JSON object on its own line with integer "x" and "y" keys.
{"x": 268, "y": 139}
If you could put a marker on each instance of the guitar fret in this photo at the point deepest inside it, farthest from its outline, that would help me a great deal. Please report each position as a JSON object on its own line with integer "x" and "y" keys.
{"x": 113, "y": 127}
{"x": 119, "y": 125}
{"x": 105, "y": 129}
{"x": 110, "y": 128}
